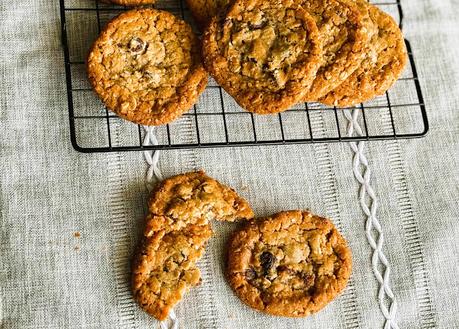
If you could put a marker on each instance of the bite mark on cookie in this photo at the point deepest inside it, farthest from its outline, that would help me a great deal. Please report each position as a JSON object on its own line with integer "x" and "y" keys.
{"x": 177, "y": 230}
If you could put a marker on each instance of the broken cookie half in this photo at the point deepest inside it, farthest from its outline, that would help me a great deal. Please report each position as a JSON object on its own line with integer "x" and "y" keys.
{"x": 177, "y": 230}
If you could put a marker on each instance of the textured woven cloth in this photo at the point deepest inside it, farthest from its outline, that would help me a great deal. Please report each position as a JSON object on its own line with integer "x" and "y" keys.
{"x": 70, "y": 221}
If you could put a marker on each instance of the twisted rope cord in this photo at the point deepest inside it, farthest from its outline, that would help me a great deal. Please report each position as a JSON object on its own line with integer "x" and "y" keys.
{"x": 154, "y": 174}
{"x": 372, "y": 225}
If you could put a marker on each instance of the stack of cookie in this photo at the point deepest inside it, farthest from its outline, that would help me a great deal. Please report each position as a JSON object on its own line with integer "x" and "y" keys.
{"x": 148, "y": 65}
{"x": 290, "y": 264}
{"x": 270, "y": 55}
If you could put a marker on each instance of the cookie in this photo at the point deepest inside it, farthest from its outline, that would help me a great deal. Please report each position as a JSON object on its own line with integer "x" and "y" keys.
{"x": 196, "y": 198}
{"x": 177, "y": 230}
{"x": 344, "y": 35}
{"x": 166, "y": 267}
{"x": 204, "y": 10}
{"x": 265, "y": 54}
{"x": 384, "y": 62}
{"x": 146, "y": 66}
{"x": 129, "y": 2}
{"x": 290, "y": 264}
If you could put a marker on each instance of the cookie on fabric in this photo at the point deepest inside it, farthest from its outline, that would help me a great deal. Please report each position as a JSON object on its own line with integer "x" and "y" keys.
{"x": 146, "y": 66}
{"x": 166, "y": 267}
{"x": 384, "y": 62}
{"x": 290, "y": 264}
{"x": 204, "y": 10}
{"x": 344, "y": 34}
{"x": 196, "y": 198}
{"x": 265, "y": 54}
{"x": 177, "y": 230}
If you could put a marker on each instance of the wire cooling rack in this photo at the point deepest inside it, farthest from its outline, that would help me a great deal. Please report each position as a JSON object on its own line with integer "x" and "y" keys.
{"x": 216, "y": 120}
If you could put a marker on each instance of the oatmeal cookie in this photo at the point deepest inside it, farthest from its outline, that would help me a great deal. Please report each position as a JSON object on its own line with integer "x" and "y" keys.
{"x": 130, "y": 2}
{"x": 165, "y": 269}
{"x": 204, "y": 10}
{"x": 344, "y": 34}
{"x": 385, "y": 60}
{"x": 146, "y": 66}
{"x": 265, "y": 54}
{"x": 196, "y": 198}
{"x": 177, "y": 230}
{"x": 290, "y": 264}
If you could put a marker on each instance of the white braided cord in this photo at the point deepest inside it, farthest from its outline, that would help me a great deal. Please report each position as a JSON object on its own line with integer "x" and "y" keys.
{"x": 153, "y": 175}
{"x": 373, "y": 229}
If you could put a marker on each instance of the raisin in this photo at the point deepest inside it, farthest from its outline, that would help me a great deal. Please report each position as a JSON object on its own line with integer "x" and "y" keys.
{"x": 267, "y": 261}
{"x": 137, "y": 45}
{"x": 329, "y": 235}
{"x": 309, "y": 280}
{"x": 250, "y": 274}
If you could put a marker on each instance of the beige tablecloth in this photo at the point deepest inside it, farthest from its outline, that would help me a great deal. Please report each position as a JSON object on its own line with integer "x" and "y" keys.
{"x": 70, "y": 221}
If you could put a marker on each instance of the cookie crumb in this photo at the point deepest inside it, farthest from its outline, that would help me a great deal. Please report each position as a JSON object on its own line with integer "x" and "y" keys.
{"x": 244, "y": 188}
{"x": 77, "y": 234}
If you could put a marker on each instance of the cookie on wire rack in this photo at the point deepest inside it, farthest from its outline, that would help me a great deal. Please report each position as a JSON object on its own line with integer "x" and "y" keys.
{"x": 177, "y": 230}
{"x": 385, "y": 59}
{"x": 130, "y": 2}
{"x": 265, "y": 54}
{"x": 290, "y": 264}
{"x": 146, "y": 66}
{"x": 345, "y": 33}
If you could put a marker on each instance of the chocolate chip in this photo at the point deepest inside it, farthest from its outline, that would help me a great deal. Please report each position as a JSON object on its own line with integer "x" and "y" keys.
{"x": 137, "y": 45}
{"x": 250, "y": 274}
{"x": 267, "y": 261}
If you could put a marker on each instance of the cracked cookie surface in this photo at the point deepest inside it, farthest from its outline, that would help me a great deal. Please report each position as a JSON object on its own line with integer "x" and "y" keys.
{"x": 196, "y": 198}
{"x": 290, "y": 264}
{"x": 130, "y": 2}
{"x": 146, "y": 66}
{"x": 177, "y": 230}
{"x": 166, "y": 267}
{"x": 385, "y": 60}
{"x": 263, "y": 53}
{"x": 344, "y": 34}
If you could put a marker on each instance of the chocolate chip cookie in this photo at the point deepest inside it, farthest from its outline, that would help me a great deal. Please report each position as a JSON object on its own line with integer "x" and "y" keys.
{"x": 344, "y": 36}
{"x": 146, "y": 66}
{"x": 204, "y": 10}
{"x": 265, "y": 54}
{"x": 385, "y": 60}
{"x": 290, "y": 264}
{"x": 177, "y": 230}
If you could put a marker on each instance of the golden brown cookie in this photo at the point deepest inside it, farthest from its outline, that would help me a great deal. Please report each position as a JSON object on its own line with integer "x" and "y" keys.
{"x": 385, "y": 60}
{"x": 204, "y": 10}
{"x": 265, "y": 54}
{"x": 289, "y": 264}
{"x": 177, "y": 230}
{"x": 130, "y": 2}
{"x": 196, "y": 198}
{"x": 146, "y": 66}
{"x": 165, "y": 269}
{"x": 344, "y": 35}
